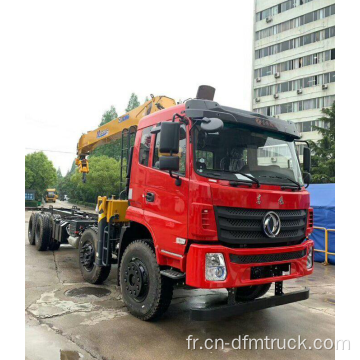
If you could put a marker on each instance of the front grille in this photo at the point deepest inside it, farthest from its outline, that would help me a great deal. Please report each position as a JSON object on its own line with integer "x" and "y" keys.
{"x": 265, "y": 258}
{"x": 243, "y": 227}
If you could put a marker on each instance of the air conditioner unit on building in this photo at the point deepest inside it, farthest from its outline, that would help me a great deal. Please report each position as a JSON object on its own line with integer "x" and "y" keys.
{"x": 325, "y": 86}
{"x": 269, "y": 19}
{"x": 299, "y": 91}
{"x": 276, "y": 96}
{"x": 277, "y": 75}
{"x": 274, "y": 159}
{"x": 257, "y": 100}
{"x": 258, "y": 79}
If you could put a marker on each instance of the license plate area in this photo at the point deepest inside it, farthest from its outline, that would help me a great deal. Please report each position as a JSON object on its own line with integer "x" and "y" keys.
{"x": 263, "y": 272}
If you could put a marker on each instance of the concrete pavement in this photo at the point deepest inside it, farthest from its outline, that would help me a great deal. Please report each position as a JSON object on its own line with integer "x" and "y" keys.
{"x": 67, "y": 318}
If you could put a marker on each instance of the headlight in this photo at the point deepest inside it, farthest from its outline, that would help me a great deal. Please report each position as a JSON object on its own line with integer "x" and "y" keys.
{"x": 310, "y": 256}
{"x": 215, "y": 268}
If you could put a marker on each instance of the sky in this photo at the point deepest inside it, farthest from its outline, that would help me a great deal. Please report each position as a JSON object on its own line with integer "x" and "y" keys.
{"x": 84, "y": 56}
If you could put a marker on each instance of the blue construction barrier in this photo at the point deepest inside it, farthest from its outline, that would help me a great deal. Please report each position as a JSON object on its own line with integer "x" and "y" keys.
{"x": 322, "y": 199}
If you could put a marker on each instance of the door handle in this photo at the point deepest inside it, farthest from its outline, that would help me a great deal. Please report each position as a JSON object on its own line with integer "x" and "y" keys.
{"x": 150, "y": 197}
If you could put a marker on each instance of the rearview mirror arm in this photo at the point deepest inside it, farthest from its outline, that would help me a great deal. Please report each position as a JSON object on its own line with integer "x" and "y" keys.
{"x": 176, "y": 177}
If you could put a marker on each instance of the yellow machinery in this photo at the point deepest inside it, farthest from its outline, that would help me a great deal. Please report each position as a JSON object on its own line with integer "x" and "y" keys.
{"x": 50, "y": 195}
{"x": 123, "y": 128}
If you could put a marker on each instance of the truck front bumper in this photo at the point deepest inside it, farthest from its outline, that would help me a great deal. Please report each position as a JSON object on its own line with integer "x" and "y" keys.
{"x": 241, "y": 264}
{"x": 235, "y": 309}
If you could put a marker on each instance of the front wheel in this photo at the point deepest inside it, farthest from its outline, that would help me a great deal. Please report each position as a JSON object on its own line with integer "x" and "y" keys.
{"x": 91, "y": 273}
{"x": 247, "y": 293}
{"x": 146, "y": 293}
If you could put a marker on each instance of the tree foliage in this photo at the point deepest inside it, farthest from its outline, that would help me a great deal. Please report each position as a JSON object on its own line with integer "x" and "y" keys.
{"x": 103, "y": 179}
{"x": 108, "y": 116}
{"x": 40, "y": 173}
{"x": 133, "y": 102}
{"x": 104, "y": 176}
{"x": 323, "y": 151}
{"x": 110, "y": 150}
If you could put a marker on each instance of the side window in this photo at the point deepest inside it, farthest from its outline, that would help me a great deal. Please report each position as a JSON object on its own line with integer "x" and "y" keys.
{"x": 182, "y": 148}
{"x": 145, "y": 147}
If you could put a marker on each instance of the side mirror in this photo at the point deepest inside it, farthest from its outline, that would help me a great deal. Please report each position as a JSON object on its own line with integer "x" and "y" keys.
{"x": 211, "y": 125}
{"x": 171, "y": 163}
{"x": 307, "y": 160}
{"x": 170, "y": 136}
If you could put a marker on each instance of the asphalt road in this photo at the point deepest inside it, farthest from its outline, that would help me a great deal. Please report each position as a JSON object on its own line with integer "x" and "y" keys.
{"x": 69, "y": 319}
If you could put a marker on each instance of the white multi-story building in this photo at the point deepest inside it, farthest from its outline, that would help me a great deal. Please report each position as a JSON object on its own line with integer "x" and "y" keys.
{"x": 294, "y": 60}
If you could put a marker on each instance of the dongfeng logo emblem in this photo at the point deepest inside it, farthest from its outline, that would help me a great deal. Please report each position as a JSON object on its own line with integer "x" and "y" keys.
{"x": 271, "y": 224}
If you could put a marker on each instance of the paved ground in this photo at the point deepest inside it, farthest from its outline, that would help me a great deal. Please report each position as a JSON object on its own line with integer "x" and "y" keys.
{"x": 67, "y": 322}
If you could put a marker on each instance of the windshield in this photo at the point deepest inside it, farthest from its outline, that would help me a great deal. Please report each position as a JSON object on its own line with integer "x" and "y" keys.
{"x": 264, "y": 156}
{"x": 51, "y": 194}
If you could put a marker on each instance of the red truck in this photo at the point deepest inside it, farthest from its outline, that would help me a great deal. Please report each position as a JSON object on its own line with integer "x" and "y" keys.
{"x": 213, "y": 198}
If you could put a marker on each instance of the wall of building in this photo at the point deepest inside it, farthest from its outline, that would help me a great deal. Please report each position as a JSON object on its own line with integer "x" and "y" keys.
{"x": 303, "y": 72}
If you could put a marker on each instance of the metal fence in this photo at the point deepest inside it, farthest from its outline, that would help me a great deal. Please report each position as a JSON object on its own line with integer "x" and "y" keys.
{"x": 326, "y": 251}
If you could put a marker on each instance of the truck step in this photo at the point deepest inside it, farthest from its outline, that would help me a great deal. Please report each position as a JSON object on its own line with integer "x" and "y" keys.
{"x": 173, "y": 274}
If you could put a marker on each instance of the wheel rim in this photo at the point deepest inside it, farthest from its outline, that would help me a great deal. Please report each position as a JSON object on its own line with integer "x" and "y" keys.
{"x": 136, "y": 279}
{"x": 87, "y": 256}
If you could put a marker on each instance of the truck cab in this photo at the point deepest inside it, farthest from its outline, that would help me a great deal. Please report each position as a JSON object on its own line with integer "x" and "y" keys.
{"x": 235, "y": 213}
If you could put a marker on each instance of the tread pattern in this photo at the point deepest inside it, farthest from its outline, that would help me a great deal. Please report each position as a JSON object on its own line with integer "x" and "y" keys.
{"x": 259, "y": 291}
{"x": 31, "y": 229}
{"x": 42, "y": 239}
{"x": 53, "y": 244}
{"x": 101, "y": 273}
{"x": 164, "y": 296}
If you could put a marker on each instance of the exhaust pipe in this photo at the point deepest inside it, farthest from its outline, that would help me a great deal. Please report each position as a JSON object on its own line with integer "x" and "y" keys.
{"x": 205, "y": 92}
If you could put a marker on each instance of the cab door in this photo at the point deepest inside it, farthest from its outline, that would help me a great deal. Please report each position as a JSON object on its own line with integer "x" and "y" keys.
{"x": 165, "y": 204}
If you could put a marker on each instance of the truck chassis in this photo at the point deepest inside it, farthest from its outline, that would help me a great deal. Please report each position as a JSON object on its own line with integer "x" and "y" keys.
{"x": 66, "y": 225}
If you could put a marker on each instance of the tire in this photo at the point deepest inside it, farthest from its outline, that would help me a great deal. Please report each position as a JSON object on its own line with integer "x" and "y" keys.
{"x": 42, "y": 233}
{"x": 87, "y": 248}
{"x": 53, "y": 244}
{"x": 31, "y": 229}
{"x": 148, "y": 296}
{"x": 247, "y": 293}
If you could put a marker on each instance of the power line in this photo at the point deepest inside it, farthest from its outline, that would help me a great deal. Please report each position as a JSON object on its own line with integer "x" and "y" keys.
{"x": 56, "y": 151}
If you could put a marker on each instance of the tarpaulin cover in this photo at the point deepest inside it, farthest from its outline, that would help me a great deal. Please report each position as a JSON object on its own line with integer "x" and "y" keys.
{"x": 322, "y": 199}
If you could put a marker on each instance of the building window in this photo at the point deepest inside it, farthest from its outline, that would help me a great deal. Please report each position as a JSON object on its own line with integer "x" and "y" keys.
{"x": 294, "y": 43}
{"x": 295, "y": 84}
{"x": 296, "y": 106}
{"x": 280, "y": 8}
{"x": 296, "y": 63}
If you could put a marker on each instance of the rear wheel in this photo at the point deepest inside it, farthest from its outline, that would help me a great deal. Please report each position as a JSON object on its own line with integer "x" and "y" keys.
{"x": 247, "y": 293}
{"x": 146, "y": 293}
{"x": 42, "y": 232}
{"x": 31, "y": 229}
{"x": 53, "y": 244}
{"x": 87, "y": 249}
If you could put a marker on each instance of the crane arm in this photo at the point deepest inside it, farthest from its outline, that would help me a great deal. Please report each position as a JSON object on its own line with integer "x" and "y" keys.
{"x": 112, "y": 130}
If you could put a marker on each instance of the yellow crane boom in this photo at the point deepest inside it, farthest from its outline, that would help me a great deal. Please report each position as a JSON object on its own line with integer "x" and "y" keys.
{"x": 112, "y": 130}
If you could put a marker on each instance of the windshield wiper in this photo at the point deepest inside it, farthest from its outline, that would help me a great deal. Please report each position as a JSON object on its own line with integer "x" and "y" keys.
{"x": 283, "y": 178}
{"x": 252, "y": 178}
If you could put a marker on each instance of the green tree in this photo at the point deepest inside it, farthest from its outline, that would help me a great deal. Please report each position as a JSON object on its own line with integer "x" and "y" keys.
{"x": 133, "y": 103}
{"x": 108, "y": 115}
{"x": 113, "y": 149}
{"x": 40, "y": 173}
{"x": 110, "y": 150}
{"x": 103, "y": 179}
{"x": 323, "y": 150}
